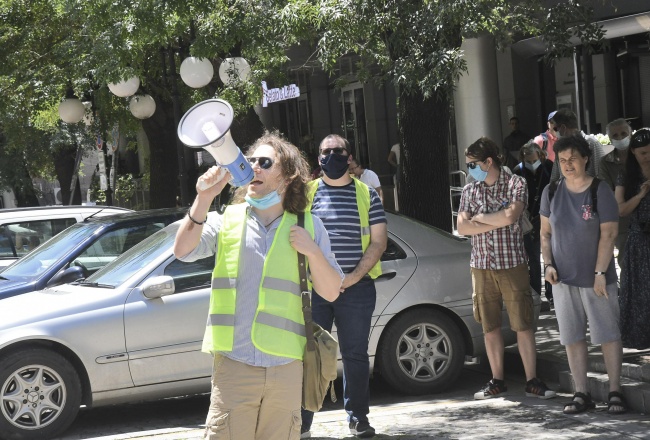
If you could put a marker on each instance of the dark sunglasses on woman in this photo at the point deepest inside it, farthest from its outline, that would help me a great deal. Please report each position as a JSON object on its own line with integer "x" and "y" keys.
{"x": 472, "y": 165}
{"x": 264, "y": 162}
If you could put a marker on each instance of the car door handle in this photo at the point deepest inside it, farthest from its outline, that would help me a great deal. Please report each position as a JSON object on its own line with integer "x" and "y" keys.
{"x": 387, "y": 276}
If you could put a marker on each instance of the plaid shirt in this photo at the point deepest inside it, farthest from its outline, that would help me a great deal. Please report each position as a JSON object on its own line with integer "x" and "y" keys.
{"x": 501, "y": 248}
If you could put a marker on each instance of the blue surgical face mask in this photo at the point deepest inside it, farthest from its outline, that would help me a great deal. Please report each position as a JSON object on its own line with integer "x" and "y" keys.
{"x": 533, "y": 166}
{"x": 267, "y": 201}
{"x": 621, "y": 144}
{"x": 477, "y": 173}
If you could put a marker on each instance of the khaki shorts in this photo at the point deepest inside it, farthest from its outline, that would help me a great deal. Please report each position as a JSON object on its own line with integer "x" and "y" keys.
{"x": 494, "y": 288}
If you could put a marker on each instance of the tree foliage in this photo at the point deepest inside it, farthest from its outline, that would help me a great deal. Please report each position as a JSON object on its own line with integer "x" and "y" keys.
{"x": 415, "y": 45}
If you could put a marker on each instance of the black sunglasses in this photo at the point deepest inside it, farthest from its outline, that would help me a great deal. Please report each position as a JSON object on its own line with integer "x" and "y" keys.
{"x": 264, "y": 162}
{"x": 472, "y": 165}
{"x": 640, "y": 138}
{"x": 328, "y": 151}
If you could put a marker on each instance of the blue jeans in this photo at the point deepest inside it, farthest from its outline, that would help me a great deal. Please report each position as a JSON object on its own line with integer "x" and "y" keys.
{"x": 352, "y": 313}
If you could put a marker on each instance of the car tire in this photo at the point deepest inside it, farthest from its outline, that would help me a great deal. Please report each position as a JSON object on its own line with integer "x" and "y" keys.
{"x": 422, "y": 352}
{"x": 44, "y": 387}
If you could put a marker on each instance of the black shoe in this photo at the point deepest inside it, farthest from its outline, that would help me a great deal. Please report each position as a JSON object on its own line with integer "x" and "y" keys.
{"x": 494, "y": 388}
{"x": 362, "y": 429}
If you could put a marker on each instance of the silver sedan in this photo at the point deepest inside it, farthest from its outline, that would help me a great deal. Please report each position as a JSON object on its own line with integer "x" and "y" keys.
{"x": 132, "y": 331}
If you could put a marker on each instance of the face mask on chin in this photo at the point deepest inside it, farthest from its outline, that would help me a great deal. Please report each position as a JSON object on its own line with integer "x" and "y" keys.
{"x": 621, "y": 144}
{"x": 334, "y": 165}
{"x": 264, "y": 202}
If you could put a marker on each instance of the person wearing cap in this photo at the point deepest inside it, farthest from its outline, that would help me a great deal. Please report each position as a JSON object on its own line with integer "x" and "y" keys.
{"x": 611, "y": 166}
{"x": 547, "y": 139}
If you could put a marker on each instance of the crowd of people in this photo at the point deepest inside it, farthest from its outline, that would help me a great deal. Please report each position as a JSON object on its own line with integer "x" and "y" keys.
{"x": 573, "y": 203}
{"x": 582, "y": 204}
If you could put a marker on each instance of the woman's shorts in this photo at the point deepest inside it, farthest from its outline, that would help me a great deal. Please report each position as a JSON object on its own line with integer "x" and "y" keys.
{"x": 577, "y": 306}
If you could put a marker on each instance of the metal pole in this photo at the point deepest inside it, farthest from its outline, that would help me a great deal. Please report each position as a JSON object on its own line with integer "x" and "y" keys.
{"x": 578, "y": 84}
{"x": 180, "y": 148}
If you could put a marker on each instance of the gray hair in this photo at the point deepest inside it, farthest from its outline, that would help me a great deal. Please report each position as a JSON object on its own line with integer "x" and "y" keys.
{"x": 530, "y": 147}
{"x": 616, "y": 123}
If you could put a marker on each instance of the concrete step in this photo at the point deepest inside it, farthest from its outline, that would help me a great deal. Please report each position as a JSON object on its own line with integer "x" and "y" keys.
{"x": 637, "y": 393}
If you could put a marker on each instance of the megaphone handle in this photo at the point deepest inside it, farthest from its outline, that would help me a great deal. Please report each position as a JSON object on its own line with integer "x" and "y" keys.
{"x": 203, "y": 185}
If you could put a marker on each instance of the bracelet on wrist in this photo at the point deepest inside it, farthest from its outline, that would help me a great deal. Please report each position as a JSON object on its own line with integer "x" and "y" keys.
{"x": 599, "y": 273}
{"x": 546, "y": 266}
{"x": 193, "y": 220}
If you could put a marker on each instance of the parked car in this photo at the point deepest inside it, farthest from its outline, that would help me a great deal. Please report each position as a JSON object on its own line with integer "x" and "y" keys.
{"x": 23, "y": 229}
{"x": 133, "y": 330}
{"x": 82, "y": 249}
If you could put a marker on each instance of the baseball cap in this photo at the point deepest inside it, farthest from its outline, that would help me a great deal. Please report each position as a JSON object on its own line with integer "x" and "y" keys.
{"x": 550, "y": 115}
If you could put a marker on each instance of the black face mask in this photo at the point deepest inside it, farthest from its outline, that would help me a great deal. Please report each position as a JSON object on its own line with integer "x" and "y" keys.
{"x": 334, "y": 165}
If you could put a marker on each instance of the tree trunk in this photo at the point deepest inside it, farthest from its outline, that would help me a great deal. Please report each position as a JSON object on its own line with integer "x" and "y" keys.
{"x": 64, "y": 159}
{"x": 164, "y": 178}
{"x": 424, "y": 185}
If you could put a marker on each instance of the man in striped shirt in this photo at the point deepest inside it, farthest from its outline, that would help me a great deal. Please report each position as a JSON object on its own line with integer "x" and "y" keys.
{"x": 355, "y": 221}
{"x": 490, "y": 212}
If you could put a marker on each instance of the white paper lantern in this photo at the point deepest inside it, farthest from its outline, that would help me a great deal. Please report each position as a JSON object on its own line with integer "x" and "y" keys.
{"x": 142, "y": 106}
{"x": 233, "y": 69}
{"x": 125, "y": 88}
{"x": 196, "y": 72}
{"x": 71, "y": 110}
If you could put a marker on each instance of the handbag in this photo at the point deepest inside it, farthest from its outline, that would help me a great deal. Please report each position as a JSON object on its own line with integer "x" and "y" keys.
{"x": 319, "y": 363}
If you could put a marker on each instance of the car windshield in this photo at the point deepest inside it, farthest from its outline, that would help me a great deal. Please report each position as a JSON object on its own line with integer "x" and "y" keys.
{"x": 139, "y": 256}
{"x": 38, "y": 261}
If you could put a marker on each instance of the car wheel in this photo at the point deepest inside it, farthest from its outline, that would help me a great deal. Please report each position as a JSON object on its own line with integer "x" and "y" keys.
{"x": 422, "y": 352}
{"x": 40, "y": 394}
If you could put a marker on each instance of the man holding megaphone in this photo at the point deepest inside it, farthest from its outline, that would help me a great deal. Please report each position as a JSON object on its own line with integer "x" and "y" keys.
{"x": 253, "y": 328}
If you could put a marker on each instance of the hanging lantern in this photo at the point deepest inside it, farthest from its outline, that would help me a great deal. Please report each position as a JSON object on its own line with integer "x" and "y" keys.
{"x": 196, "y": 72}
{"x": 233, "y": 69}
{"x": 125, "y": 88}
{"x": 142, "y": 106}
{"x": 71, "y": 110}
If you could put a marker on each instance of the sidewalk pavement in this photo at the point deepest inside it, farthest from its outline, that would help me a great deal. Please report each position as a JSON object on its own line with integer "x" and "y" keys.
{"x": 553, "y": 366}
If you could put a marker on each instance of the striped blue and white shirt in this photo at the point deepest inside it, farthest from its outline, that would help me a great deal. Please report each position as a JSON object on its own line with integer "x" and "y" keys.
{"x": 336, "y": 206}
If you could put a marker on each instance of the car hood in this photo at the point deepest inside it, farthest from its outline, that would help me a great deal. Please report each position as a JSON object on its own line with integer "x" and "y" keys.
{"x": 57, "y": 302}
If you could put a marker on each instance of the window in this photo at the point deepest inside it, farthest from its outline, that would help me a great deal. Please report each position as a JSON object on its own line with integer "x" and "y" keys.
{"x": 393, "y": 252}
{"x": 191, "y": 275}
{"x": 114, "y": 244}
{"x": 28, "y": 235}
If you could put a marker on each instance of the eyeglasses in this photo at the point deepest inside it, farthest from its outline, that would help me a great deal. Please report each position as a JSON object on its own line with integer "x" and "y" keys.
{"x": 640, "y": 138}
{"x": 336, "y": 150}
{"x": 472, "y": 165}
{"x": 264, "y": 162}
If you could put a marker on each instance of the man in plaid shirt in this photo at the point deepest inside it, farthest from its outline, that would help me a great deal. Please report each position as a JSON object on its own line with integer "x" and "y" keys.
{"x": 490, "y": 212}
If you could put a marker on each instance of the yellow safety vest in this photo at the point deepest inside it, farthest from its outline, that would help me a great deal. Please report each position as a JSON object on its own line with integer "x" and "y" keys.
{"x": 363, "y": 206}
{"x": 279, "y": 325}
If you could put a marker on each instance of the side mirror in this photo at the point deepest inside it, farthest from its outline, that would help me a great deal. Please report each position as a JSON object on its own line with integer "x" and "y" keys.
{"x": 72, "y": 273}
{"x": 159, "y": 286}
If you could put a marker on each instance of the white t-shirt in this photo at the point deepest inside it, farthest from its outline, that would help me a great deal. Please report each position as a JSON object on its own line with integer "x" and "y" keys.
{"x": 370, "y": 178}
{"x": 395, "y": 149}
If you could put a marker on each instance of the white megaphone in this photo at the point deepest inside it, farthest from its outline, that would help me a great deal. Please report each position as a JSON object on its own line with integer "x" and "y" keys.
{"x": 207, "y": 126}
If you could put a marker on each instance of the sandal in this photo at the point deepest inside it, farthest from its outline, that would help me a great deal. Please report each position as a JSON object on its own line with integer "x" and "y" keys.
{"x": 576, "y": 406}
{"x": 614, "y": 399}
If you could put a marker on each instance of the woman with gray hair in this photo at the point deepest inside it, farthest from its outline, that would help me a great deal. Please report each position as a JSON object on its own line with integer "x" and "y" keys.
{"x": 577, "y": 235}
{"x": 536, "y": 169}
